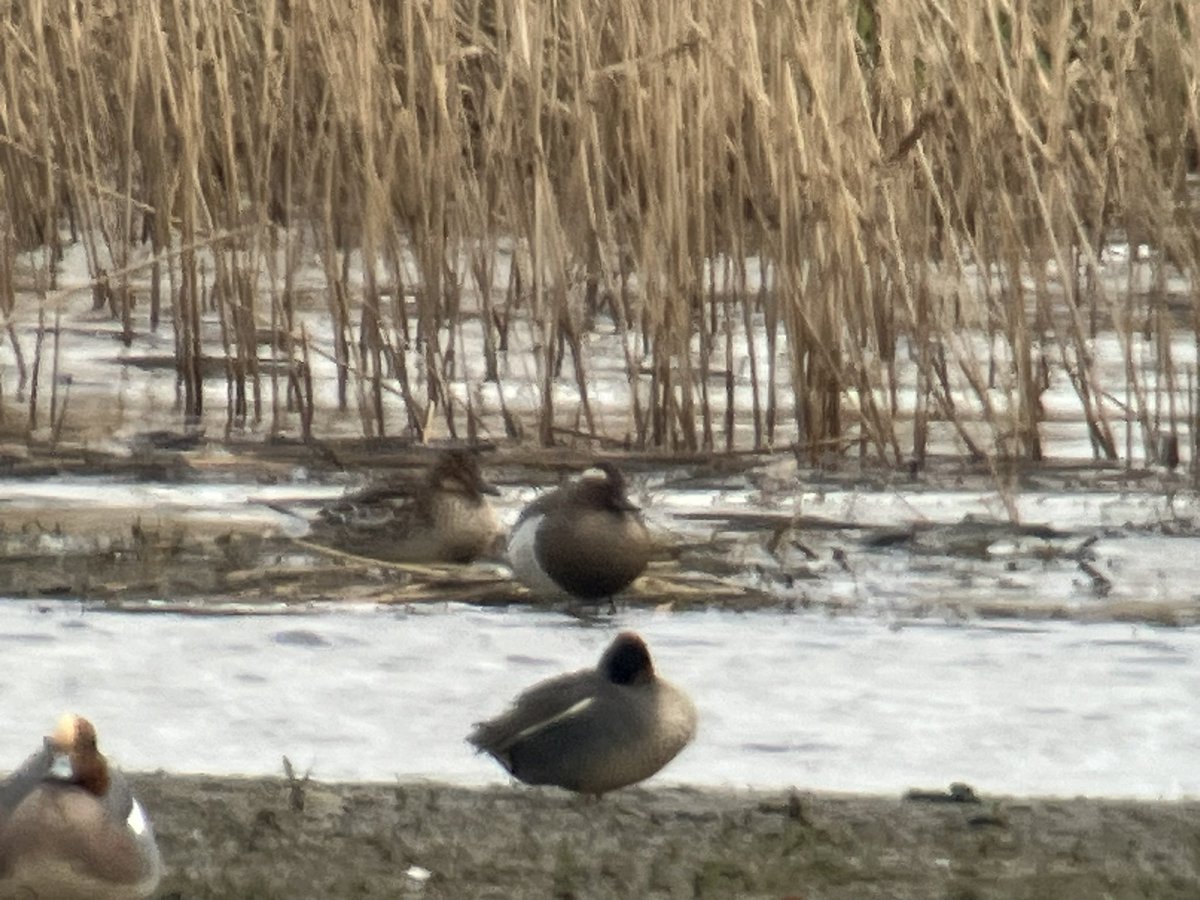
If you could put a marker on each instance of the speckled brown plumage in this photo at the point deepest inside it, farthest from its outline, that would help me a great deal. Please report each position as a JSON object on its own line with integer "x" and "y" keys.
{"x": 446, "y": 518}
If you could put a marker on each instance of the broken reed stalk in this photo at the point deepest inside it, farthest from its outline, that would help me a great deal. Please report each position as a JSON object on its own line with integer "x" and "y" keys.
{"x": 1192, "y": 431}
{"x": 35, "y": 369}
{"x": 906, "y": 178}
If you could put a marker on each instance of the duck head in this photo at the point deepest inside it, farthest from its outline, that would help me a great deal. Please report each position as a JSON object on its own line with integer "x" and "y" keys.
{"x": 458, "y": 470}
{"x": 602, "y": 486}
{"x": 627, "y": 660}
{"x": 77, "y": 758}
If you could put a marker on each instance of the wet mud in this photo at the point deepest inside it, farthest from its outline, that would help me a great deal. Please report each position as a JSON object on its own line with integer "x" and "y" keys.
{"x": 291, "y": 838}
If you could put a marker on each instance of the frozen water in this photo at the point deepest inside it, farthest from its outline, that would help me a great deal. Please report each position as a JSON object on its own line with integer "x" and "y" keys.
{"x": 843, "y": 703}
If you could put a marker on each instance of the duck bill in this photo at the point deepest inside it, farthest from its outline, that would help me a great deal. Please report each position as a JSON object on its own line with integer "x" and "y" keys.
{"x": 486, "y": 487}
{"x": 61, "y": 768}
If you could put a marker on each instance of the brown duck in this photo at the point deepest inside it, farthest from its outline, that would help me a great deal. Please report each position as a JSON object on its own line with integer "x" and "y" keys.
{"x": 584, "y": 540}
{"x": 70, "y": 828}
{"x": 446, "y": 519}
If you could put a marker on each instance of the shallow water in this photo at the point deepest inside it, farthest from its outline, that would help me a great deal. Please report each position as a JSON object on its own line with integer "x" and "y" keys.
{"x": 804, "y": 699}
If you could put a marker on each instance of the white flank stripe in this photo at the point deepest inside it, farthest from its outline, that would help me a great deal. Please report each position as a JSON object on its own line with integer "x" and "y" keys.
{"x": 137, "y": 821}
{"x": 567, "y": 713}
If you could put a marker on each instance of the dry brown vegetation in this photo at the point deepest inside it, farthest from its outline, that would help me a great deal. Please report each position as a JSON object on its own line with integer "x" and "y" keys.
{"x": 832, "y": 178}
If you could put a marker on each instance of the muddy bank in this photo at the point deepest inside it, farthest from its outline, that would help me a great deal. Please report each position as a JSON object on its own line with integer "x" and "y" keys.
{"x": 275, "y": 838}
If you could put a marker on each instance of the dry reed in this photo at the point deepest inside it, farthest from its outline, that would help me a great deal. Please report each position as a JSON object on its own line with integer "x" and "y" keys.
{"x": 827, "y": 225}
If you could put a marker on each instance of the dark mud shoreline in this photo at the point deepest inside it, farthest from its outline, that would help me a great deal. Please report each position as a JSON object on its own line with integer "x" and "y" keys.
{"x": 269, "y": 838}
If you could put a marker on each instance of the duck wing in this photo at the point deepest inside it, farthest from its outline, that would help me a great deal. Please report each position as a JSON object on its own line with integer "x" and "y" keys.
{"x": 28, "y": 775}
{"x": 541, "y": 505}
{"x": 381, "y": 506}
{"x": 538, "y": 708}
{"x": 118, "y": 802}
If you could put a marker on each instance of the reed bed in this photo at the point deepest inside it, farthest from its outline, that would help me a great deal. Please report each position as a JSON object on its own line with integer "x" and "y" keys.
{"x": 839, "y": 227}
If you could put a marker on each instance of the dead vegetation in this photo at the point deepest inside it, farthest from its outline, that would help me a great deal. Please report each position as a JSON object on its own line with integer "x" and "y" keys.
{"x": 839, "y": 226}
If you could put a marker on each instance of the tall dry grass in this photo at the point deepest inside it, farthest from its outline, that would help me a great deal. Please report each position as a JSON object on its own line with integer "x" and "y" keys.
{"x": 926, "y": 189}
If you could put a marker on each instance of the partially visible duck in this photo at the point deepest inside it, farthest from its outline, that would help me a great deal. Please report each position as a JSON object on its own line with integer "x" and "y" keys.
{"x": 70, "y": 829}
{"x": 595, "y": 730}
{"x": 585, "y": 539}
{"x": 446, "y": 519}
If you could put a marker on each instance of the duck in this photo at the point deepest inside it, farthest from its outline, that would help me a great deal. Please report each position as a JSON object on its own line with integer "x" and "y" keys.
{"x": 595, "y": 730}
{"x": 70, "y": 827}
{"x": 584, "y": 540}
{"x": 446, "y": 519}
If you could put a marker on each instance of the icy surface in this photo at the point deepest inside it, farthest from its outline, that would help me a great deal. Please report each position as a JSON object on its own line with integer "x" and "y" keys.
{"x": 785, "y": 699}
{"x": 128, "y": 389}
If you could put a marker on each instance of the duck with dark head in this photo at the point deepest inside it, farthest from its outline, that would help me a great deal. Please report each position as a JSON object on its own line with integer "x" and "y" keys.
{"x": 584, "y": 540}
{"x": 594, "y": 730}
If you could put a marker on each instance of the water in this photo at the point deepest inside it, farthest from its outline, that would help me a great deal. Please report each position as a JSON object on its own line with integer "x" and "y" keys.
{"x": 833, "y": 703}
